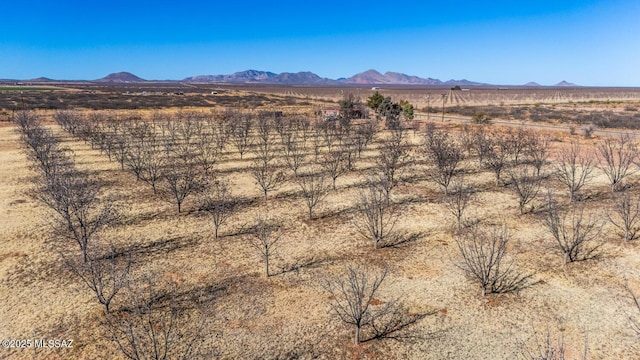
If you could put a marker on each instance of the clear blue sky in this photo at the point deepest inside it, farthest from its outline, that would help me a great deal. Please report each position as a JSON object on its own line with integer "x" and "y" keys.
{"x": 588, "y": 42}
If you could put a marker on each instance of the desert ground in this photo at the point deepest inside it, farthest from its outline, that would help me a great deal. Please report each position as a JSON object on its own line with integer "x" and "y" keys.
{"x": 227, "y": 307}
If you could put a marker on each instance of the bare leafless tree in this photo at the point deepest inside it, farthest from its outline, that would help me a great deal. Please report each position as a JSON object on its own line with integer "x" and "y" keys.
{"x": 363, "y": 136}
{"x": 575, "y": 235}
{"x": 537, "y": 152}
{"x": 314, "y": 188}
{"x": 625, "y": 214}
{"x": 293, "y": 151}
{"x": 349, "y": 148}
{"x": 616, "y": 158}
{"x": 393, "y": 158}
{"x": 458, "y": 200}
{"x": 375, "y": 217}
{"x": 80, "y": 212}
{"x": 316, "y": 141}
{"x": 105, "y": 273}
{"x": 573, "y": 168}
{"x": 353, "y": 301}
{"x": 26, "y": 121}
{"x": 153, "y": 160}
{"x": 46, "y": 152}
{"x": 120, "y": 143}
{"x": 206, "y": 141}
{"x": 444, "y": 153}
{"x": 334, "y": 164}
{"x": 139, "y": 135}
{"x": 265, "y": 144}
{"x": 484, "y": 260}
{"x": 525, "y": 183}
{"x": 267, "y": 174}
{"x": 518, "y": 142}
{"x": 264, "y": 237}
{"x": 482, "y": 144}
{"x": 68, "y": 120}
{"x": 497, "y": 155}
{"x": 330, "y": 132}
{"x": 241, "y": 132}
{"x": 219, "y": 202}
{"x": 155, "y": 325}
{"x": 551, "y": 347}
{"x": 180, "y": 181}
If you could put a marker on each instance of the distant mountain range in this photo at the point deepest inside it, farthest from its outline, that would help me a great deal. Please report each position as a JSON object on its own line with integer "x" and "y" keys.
{"x": 369, "y": 77}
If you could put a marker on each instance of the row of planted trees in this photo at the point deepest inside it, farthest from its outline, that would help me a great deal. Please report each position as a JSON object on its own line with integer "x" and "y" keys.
{"x": 331, "y": 149}
{"x": 143, "y": 323}
{"x": 178, "y": 156}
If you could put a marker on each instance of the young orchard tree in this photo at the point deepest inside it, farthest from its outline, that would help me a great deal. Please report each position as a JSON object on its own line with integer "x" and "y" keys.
{"x": 105, "y": 273}
{"x": 80, "y": 212}
{"x": 182, "y": 133}
{"x": 354, "y": 302}
{"x": 293, "y": 151}
{"x": 316, "y": 142}
{"x": 265, "y": 236}
{"x": 267, "y": 174}
{"x": 458, "y": 199}
{"x": 525, "y": 183}
{"x": 352, "y": 296}
{"x": 625, "y": 215}
{"x": 334, "y": 164}
{"x": 364, "y": 135}
{"x": 497, "y": 156}
{"x": 575, "y": 234}
{"x": 393, "y": 159}
{"x": 68, "y": 120}
{"x": 616, "y": 158}
{"x": 120, "y": 143}
{"x": 241, "y": 135}
{"x": 331, "y": 133}
{"x": 46, "y": 153}
{"x": 573, "y": 168}
{"x": 375, "y": 218}
{"x": 518, "y": 142}
{"x": 153, "y": 161}
{"x": 483, "y": 144}
{"x": 314, "y": 188}
{"x": 207, "y": 150}
{"x": 444, "y": 153}
{"x": 139, "y": 136}
{"x": 265, "y": 145}
{"x": 156, "y": 324}
{"x": 26, "y": 120}
{"x": 484, "y": 260}
{"x": 219, "y": 203}
{"x": 219, "y": 130}
{"x": 180, "y": 181}
{"x": 537, "y": 152}
{"x": 349, "y": 148}
{"x": 549, "y": 349}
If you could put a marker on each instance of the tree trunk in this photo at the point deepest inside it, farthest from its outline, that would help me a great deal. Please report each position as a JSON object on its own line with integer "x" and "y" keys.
{"x": 356, "y": 338}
